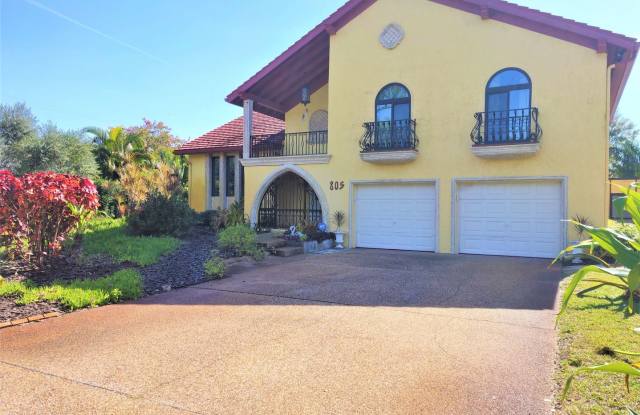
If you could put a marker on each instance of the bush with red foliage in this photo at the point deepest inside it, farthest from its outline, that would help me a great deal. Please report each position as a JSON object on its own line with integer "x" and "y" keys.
{"x": 35, "y": 217}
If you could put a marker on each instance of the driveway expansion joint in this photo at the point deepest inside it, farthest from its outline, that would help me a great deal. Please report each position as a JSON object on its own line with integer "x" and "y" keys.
{"x": 93, "y": 385}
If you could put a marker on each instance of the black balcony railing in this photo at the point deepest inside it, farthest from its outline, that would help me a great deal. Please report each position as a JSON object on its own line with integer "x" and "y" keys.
{"x": 506, "y": 127}
{"x": 389, "y": 136}
{"x": 289, "y": 144}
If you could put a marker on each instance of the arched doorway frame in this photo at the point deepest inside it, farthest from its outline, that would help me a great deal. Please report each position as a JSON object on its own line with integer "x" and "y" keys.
{"x": 289, "y": 168}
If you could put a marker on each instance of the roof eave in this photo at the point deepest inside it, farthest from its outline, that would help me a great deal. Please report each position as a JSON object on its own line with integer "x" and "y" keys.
{"x": 206, "y": 150}
{"x": 330, "y": 25}
{"x": 617, "y": 85}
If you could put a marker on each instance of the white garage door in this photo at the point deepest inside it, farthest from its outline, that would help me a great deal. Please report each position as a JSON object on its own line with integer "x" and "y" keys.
{"x": 511, "y": 218}
{"x": 396, "y": 216}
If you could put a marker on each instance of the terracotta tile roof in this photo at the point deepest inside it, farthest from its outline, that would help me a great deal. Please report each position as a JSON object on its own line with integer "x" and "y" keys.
{"x": 228, "y": 137}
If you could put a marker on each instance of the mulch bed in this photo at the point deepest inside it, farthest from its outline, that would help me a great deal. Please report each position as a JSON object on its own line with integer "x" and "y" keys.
{"x": 9, "y": 310}
{"x": 182, "y": 267}
{"x": 68, "y": 266}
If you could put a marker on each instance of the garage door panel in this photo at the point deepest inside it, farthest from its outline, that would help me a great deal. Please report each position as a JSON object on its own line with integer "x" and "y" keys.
{"x": 510, "y": 218}
{"x": 396, "y": 216}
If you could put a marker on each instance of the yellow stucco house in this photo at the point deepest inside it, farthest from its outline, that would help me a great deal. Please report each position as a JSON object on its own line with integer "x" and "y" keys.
{"x": 454, "y": 126}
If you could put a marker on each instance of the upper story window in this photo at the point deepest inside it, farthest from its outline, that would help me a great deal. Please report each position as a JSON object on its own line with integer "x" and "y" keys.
{"x": 393, "y": 128}
{"x": 508, "y": 107}
{"x": 393, "y": 103}
{"x": 509, "y": 89}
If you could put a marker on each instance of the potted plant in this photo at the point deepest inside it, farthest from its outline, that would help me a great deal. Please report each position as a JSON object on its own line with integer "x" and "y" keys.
{"x": 579, "y": 223}
{"x": 338, "y": 219}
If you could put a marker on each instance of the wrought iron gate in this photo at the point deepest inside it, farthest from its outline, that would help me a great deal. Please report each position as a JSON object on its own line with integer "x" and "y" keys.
{"x": 289, "y": 201}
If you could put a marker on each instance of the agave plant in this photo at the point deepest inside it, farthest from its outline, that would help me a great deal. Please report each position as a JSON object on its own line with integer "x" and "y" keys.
{"x": 624, "y": 274}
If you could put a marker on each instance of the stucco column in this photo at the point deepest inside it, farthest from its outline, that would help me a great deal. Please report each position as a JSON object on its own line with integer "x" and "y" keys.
{"x": 223, "y": 180}
{"x": 247, "y": 127}
{"x": 208, "y": 168}
{"x": 238, "y": 180}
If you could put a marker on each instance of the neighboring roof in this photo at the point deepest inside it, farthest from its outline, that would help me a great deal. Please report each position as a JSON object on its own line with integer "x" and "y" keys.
{"x": 228, "y": 137}
{"x": 275, "y": 88}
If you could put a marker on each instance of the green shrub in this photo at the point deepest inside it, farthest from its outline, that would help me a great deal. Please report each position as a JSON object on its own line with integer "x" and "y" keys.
{"x": 239, "y": 240}
{"x": 627, "y": 229}
{"x": 214, "y": 219}
{"x": 235, "y": 215}
{"x": 162, "y": 215}
{"x": 214, "y": 267}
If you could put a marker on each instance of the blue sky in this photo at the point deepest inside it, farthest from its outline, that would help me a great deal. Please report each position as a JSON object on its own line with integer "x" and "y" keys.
{"x": 110, "y": 62}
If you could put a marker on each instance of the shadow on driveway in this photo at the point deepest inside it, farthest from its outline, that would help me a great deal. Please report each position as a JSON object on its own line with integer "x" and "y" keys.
{"x": 366, "y": 277}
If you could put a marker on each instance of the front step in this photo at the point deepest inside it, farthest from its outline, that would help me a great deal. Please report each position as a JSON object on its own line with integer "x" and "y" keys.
{"x": 272, "y": 244}
{"x": 289, "y": 251}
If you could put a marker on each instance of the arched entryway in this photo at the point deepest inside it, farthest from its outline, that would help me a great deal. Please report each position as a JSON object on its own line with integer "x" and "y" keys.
{"x": 289, "y": 196}
{"x": 289, "y": 200}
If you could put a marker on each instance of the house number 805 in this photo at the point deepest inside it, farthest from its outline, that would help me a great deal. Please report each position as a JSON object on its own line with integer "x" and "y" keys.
{"x": 336, "y": 185}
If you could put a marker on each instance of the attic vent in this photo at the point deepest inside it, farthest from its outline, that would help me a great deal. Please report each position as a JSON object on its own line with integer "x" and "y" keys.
{"x": 391, "y": 36}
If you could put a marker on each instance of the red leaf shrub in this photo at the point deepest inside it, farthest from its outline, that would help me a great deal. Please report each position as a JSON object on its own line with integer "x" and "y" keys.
{"x": 34, "y": 214}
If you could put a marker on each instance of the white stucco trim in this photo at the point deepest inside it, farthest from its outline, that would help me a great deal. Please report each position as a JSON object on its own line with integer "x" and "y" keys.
{"x": 289, "y": 160}
{"x": 389, "y": 157}
{"x": 455, "y": 237}
{"x": 354, "y": 183}
{"x": 289, "y": 168}
{"x": 506, "y": 151}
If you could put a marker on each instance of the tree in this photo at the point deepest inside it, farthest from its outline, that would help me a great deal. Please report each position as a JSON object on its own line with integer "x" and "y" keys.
{"x": 624, "y": 149}
{"x": 17, "y": 122}
{"x": 115, "y": 148}
{"x": 53, "y": 150}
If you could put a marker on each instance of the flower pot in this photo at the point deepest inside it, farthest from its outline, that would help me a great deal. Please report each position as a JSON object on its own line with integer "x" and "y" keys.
{"x": 310, "y": 246}
{"x": 326, "y": 244}
{"x": 339, "y": 240}
{"x": 576, "y": 251}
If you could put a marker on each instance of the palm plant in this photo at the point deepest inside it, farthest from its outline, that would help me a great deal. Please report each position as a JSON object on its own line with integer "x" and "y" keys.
{"x": 625, "y": 273}
{"x": 338, "y": 219}
{"x": 117, "y": 147}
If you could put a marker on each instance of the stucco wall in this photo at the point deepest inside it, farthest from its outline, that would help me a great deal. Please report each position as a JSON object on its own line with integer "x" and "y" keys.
{"x": 445, "y": 60}
{"x": 198, "y": 183}
{"x": 294, "y": 121}
{"x": 200, "y": 186}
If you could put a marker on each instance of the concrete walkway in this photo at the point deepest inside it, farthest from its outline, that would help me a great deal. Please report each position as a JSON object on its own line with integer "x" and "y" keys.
{"x": 362, "y": 331}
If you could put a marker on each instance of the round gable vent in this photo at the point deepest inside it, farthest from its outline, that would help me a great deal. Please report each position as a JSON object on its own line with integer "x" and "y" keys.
{"x": 391, "y": 36}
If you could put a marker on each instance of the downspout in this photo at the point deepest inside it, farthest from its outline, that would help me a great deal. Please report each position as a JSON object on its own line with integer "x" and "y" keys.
{"x": 607, "y": 184}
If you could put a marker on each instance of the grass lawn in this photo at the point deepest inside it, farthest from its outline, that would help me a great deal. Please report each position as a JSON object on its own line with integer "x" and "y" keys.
{"x": 108, "y": 236}
{"x": 125, "y": 284}
{"x": 589, "y": 324}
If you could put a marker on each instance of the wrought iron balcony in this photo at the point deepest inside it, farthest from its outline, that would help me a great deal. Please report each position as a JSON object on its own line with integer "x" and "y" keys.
{"x": 506, "y": 127}
{"x": 289, "y": 144}
{"x": 389, "y": 136}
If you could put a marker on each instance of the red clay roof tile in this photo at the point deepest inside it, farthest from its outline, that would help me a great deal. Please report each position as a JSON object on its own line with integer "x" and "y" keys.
{"x": 228, "y": 137}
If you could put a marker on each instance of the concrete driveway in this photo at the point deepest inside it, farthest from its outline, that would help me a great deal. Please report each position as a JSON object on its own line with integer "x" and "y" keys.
{"x": 361, "y": 331}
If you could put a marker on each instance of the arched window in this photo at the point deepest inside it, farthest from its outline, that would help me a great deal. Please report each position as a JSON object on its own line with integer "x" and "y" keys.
{"x": 393, "y": 127}
{"x": 393, "y": 103}
{"x": 508, "y": 106}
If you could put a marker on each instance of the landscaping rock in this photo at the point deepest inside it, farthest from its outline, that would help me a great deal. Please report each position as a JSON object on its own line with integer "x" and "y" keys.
{"x": 182, "y": 267}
